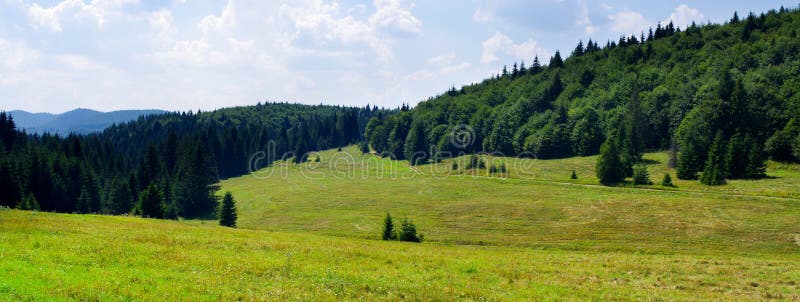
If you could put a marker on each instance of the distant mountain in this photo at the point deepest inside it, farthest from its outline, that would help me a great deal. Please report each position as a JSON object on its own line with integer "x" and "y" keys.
{"x": 79, "y": 121}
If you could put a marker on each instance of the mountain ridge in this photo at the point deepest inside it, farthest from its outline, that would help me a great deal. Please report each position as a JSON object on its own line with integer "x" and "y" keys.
{"x": 77, "y": 121}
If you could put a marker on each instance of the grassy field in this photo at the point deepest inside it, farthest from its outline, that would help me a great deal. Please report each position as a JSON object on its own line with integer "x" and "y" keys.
{"x": 310, "y": 232}
{"x": 56, "y": 257}
{"x": 537, "y": 205}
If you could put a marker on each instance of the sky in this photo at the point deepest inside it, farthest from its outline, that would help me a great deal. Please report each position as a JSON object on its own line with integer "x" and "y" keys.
{"x": 182, "y": 55}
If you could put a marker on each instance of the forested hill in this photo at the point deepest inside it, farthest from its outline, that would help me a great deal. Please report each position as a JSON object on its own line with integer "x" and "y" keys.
{"x": 165, "y": 165}
{"x": 741, "y": 77}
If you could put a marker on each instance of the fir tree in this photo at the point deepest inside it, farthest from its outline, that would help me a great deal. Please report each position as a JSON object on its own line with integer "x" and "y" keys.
{"x": 408, "y": 232}
{"x": 573, "y": 176}
{"x": 29, "y": 202}
{"x": 610, "y": 169}
{"x": 556, "y": 61}
{"x": 227, "y": 211}
{"x": 667, "y": 181}
{"x": 715, "y": 171}
{"x": 388, "y": 228}
{"x": 640, "y": 175}
{"x": 756, "y": 162}
{"x": 736, "y": 157}
{"x": 151, "y": 203}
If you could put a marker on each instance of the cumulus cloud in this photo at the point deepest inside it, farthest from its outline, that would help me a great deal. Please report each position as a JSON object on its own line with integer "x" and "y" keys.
{"x": 391, "y": 16}
{"x": 98, "y": 11}
{"x": 419, "y": 75}
{"x": 444, "y": 59}
{"x": 500, "y": 44}
{"x": 683, "y": 15}
{"x": 629, "y": 22}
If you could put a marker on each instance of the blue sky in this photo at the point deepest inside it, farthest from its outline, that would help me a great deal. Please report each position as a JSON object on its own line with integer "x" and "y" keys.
{"x": 58, "y": 55}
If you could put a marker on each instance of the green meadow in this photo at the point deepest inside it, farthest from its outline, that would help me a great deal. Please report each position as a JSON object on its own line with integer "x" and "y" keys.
{"x": 312, "y": 232}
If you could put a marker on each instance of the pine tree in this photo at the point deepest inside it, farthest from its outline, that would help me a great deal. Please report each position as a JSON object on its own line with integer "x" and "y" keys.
{"x": 415, "y": 145}
{"x": 408, "y": 232}
{"x": 151, "y": 202}
{"x": 388, "y": 228}
{"x": 736, "y": 157}
{"x": 29, "y": 202}
{"x": 756, "y": 166}
{"x": 609, "y": 168}
{"x": 667, "y": 181}
{"x": 536, "y": 67}
{"x": 573, "y": 176}
{"x": 556, "y": 61}
{"x": 640, "y": 175}
{"x": 227, "y": 211}
{"x": 714, "y": 173}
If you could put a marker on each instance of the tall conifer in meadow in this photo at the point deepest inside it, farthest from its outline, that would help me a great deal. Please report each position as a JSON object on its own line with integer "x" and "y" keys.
{"x": 227, "y": 211}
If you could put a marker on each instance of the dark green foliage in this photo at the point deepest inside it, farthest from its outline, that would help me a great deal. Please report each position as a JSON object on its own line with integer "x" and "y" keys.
{"x": 151, "y": 203}
{"x": 737, "y": 155}
{"x": 796, "y": 147}
{"x": 454, "y": 166}
{"x": 388, "y": 228}
{"x": 715, "y": 171}
{"x": 227, "y": 213}
{"x": 29, "y": 202}
{"x": 556, "y": 61}
{"x": 476, "y": 162}
{"x": 573, "y": 176}
{"x": 756, "y": 161}
{"x": 408, "y": 232}
{"x": 640, "y": 175}
{"x": 646, "y": 89}
{"x": 667, "y": 181}
{"x": 779, "y": 146}
{"x": 610, "y": 168}
{"x": 416, "y": 145}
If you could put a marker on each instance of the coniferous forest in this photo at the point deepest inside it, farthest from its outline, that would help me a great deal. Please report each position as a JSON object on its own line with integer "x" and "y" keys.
{"x": 721, "y": 97}
{"x": 166, "y": 165}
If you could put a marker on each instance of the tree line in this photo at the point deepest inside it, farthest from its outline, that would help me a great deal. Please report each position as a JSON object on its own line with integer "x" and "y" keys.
{"x": 166, "y": 165}
{"x": 721, "y": 97}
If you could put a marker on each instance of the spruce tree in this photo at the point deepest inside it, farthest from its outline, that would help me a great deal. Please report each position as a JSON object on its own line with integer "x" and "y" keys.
{"x": 151, "y": 203}
{"x": 388, "y": 228}
{"x": 667, "y": 181}
{"x": 556, "y": 61}
{"x": 715, "y": 171}
{"x": 640, "y": 175}
{"x": 29, "y": 202}
{"x": 227, "y": 211}
{"x": 573, "y": 176}
{"x": 736, "y": 157}
{"x": 408, "y": 232}
{"x": 609, "y": 168}
{"x": 756, "y": 162}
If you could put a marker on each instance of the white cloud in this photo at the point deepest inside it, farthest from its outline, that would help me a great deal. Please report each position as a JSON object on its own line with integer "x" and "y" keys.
{"x": 584, "y": 21}
{"x": 629, "y": 22}
{"x": 441, "y": 60}
{"x": 16, "y": 55}
{"x": 391, "y": 16}
{"x": 419, "y": 75}
{"x": 455, "y": 68}
{"x": 99, "y": 11}
{"x": 683, "y": 15}
{"x": 482, "y": 16}
{"x": 500, "y": 44}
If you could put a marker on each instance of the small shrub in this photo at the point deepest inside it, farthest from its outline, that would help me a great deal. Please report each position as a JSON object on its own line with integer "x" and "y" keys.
{"x": 493, "y": 169}
{"x": 317, "y": 159}
{"x": 573, "y": 176}
{"x": 641, "y": 176}
{"x": 667, "y": 182}
{"x": 454, "y": 166}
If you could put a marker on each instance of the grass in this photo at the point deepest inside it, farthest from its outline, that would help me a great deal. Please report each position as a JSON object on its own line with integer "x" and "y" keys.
{"x": 536, "y": 205}
{"x": 309, "y": 232}
{"x": 61, "y": 257}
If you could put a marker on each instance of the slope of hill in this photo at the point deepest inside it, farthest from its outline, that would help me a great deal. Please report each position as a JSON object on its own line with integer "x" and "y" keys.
{"x": 66, "y": 257}
{"x": 533, "y": 204}
{"x": 740, "y": 78}
{"x": 78, "y": 121}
